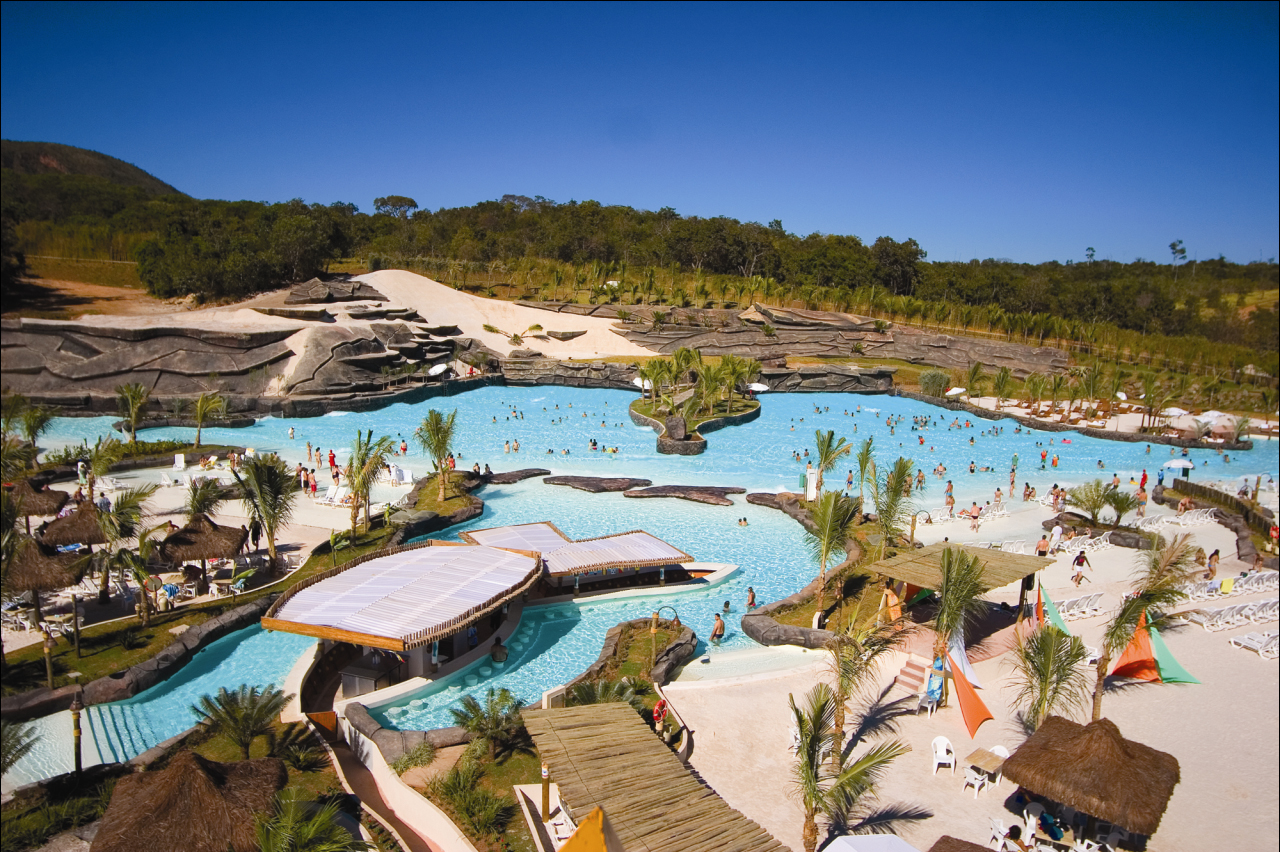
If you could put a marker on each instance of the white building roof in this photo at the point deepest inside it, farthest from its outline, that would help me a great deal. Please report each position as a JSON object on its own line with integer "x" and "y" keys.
{"x": 565, "y": 556}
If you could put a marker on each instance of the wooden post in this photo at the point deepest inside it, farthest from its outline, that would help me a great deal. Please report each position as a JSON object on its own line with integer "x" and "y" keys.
{"x": 546, "y": 792}
{"x": 76, "y": 707}
{"x": 75, "y": 619}
{"x": 913, "y": 530}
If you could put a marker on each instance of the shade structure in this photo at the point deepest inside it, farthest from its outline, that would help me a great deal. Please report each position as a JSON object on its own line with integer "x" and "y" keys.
{"x": 1180, "y": 464}
{"x": 80, "y": 527}
{"x": 757, "y": 387}
{"x": 38, "y": 568}
{"x": 643, "y": 384}
{"x": 405, "y": 597}
{"x": 1122, "y": 396}
{"x": 1174, "y": 411}
{"x": 947, "y": 843}
{"x": 201, "y": 538}
{"x": 437, "y": 369}
{"x": 954, "y": 392}
{"x": 1185, "y": 423}
{"x": 193, "y": 804}
{"x": 870, "y": 843}
{"x": 564, "y": 556}
{"x": 1097, "y": 771}
{"x": 37, "y": 501}
{"x": 923, "y": 567}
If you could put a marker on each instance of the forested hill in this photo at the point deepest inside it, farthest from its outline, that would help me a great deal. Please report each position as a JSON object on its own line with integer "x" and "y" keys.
{"x": 38, "y": 158}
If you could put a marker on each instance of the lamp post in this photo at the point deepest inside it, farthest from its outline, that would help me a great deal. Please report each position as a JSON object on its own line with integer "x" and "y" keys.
{"x": 546, "y": 792}
{"x": 76, "y": 706}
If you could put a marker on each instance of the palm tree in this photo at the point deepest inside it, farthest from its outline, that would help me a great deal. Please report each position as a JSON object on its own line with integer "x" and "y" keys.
{"x": 1001, "y": 386}
{"x": 974, "y": 379}
{"x": 15, "y": 457}
{"x": 367, "y": 460}
{"x": 497, "y": 722}
{"x": 121, "y": 522}
{"x": 106, "y": 451}
{"x": 959, "y": 598}
{"x": 1091, "y": 497}
{"x": 135, "y": 562}
{"x": 208, "y": 406}
{"x": 623, "y": 691}
{"x": 297, "y": 825}
{"x": 1048, "y": 675}
{"x": 834, "y": 517}
{"x": 1158, "y": 581}
{"x": 269, "y": 492}
{"x": 1122, "y": 503}
{"x": 1057, "y": 385}
{"x": 35, "y": 420}
{"x": 16, "y": 740}
{"x": 131, "y": 399}
{"x": 836, "y": 793}
{"x": 866, "y": 466}
{"x": 830, "y": 450}
{"x": 1033, "y": 389}
{"x": 856, "y": 652}
{"x": 204, "y": 497}
{"x": 243, "y": 715}
{"x": 889, "y": 496}
{"x": 435, "y": 436}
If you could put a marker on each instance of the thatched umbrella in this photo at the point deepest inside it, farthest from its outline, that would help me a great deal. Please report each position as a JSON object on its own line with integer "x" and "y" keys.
{"x": 37, "y": 501}
{"x": 193, "y": 804}
{"x": 80, "y": 527}
{"x": 1095, "y": 770}
{"x": 947, "y": 843}
{"x": 202, "y": 539}
{"x": 36, "y": 568}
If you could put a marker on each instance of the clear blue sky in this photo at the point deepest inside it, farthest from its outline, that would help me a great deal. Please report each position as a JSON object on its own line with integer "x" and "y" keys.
{"x": 1003, "y": 130}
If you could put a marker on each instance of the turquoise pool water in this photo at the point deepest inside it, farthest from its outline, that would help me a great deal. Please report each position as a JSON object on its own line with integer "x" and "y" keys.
{"x": 124, "y": 729}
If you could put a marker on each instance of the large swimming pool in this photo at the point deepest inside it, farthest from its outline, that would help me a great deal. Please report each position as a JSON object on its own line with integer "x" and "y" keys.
{"x": 555, "y": 643}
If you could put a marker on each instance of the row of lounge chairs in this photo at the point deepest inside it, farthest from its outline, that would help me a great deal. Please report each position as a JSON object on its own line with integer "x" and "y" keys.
{"x": 942, "y": 514}
{"x": 1265, "y": 645}
{"x": 1087, "y": 543}
{"x": 1222, "y": 587}
{"x": 1083, "y": 607}
{"x": 1010, "y": 546}
{"x": 1193, "y": 518}
{"x": 1227, "y": 617}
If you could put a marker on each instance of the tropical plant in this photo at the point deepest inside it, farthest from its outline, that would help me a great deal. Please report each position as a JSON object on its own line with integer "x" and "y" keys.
{"x": 269, "y": 492}
{"x": 625, "y": 691}
{"x": 105, "y": 452}
{"x": 422, "y": 755}
{"x": 843, "y": 792}
{"x": 244, "y": 714}
{"x": 830, "y": 450}
{"x": 15, "y": 457}
{"x": 1048, "y": 675}
{"x": 435, "y": 436}
{"x": 496, "y": 722}
{"x": 1240, "y": 429}
{"x": 959, "y": 592}
{"x": 368, "y": 457}
{"x": 934, "y": 382}
{"x": 16, "y": 741}
{"x": 1091, "y": 498}
{"x": 514, "y": 338}
{"x": 35, "y": 420}
{"x": 299, "y": 825}
{"x": 121, "y": 522}
{"x": 1002, "y": 386}
{"x": 208, "y": 406}
{"x": 889, "y": 495}
{"x": 866, "y": 466}
{"x": 204, "y": 497}
{"x": 856, "y": 652}
{"x": 134, "y": 561}
{"x": 1033, "y": 388}
{"x": 834, "y": 516}
{"x": 975, "y": 378}
{"x": 131, "y": 399}
{"x": 1158, "y": 580}
{"x": 1122, "y": 503}
{"x": 1057, "y": 385}
{"x": 478, "y": 809}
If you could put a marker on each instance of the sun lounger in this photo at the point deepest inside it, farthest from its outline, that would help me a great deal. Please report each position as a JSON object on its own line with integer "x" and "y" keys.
{"x": 179, "y": 462}
{"x": 1252, "y": 641}
{"x": 166, "y": 481}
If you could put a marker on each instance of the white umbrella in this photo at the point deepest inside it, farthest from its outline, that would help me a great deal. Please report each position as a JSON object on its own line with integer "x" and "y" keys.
{"x": 1173, "y": 412}
{"x": 955, "y": 391}
{"x": 870, "y": 843}
{"x": 1122, "y": 396}
{"x": 437, "y": 369}
{"x": 1184, "y": 423}
{"x": 757, "y": 387}
{"x": 1209, "y": 416}
{"x": 643, "y": 384}
{"x": 1180, "y": 464}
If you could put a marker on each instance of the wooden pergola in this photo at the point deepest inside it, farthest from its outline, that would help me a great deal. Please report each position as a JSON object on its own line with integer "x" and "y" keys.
{"x": 923, "y": 567}
{"x": 604, "y": 755}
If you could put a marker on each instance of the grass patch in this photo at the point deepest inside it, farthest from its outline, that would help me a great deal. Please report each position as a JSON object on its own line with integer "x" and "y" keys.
{"x": 634, "y": 649}
{"x": 29, "y": 822}
{"x": 366, "y": 541}
{"x": 310, "y": 784}
{"x": 844, "y": 597}
{"x": 492, "y": 787}
{"x": 103, "y": 272}
{"x": 740, "y": 406}
{"x": 429, "y": 497}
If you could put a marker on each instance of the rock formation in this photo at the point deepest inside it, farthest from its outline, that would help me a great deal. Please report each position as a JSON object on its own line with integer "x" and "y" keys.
{"x": 597, "y": 484}
{"x": 711, "y": 494}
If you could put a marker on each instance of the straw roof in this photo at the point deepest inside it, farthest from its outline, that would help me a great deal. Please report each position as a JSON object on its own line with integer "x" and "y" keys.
{"x": 947, "y": 843}
{"x": 37, "y": 568}
{"x": 923, "y": 567}
{"x": 604, "y": 755}
{"x": 201, "y": 538}
{"x": 80, "y": 527}
{"x": 38, "y": 501}
{"x": 193, "y": 804}
{"x": 1095, "y": 770}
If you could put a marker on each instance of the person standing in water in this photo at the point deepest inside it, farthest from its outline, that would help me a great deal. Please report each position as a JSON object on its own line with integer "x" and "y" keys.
{"x": 717, "y": 630}
{"x": 751, "y": 598}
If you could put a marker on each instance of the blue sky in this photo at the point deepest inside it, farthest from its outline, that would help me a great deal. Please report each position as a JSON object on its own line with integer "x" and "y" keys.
{"x": 1002, "y": 130}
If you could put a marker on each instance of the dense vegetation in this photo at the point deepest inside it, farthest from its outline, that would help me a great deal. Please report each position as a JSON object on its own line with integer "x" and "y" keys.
{"x": 220, "y": 249}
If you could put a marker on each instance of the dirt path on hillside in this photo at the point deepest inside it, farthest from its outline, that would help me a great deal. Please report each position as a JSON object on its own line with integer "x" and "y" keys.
{"x": 48, "y": 298}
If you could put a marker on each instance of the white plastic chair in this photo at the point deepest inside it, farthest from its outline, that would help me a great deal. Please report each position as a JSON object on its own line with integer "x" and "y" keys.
{"x": 1000, "y": 751}
{"x": 943, "y": 754}
{"x": 975, "y": 778}
{"x": 997, "y": 834}
{"x": 1031, "y": 819}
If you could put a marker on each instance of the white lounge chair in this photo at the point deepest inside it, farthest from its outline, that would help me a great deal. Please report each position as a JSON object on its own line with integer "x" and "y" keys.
{"x": 179, "y": 462}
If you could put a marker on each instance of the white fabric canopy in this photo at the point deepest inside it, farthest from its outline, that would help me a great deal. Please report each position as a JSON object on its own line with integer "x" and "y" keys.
{"x": 407, "y": 593}
{"x": 757, "y": 387}
{"x": 952, "y": 392}
{"x": 564, "y": 556}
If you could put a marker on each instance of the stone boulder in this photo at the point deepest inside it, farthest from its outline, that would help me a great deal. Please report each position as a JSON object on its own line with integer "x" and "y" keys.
{"x": 565, "y": 335}
{"x": 711, "y": 494}
{"x": 316, "y": 291}
{"x": 597, "y": 484}
{"x": 676, "y": 429}
{"x": 514, "y": 476}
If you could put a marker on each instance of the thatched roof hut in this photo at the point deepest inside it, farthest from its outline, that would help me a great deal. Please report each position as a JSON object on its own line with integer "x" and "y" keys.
{"x": 947, "y": 843}
{"x": 193, "y": 804}
{"x": 38, "y": 501}
{"x": 38, "y": 568}
{"x": 201, "y": 538}
{"x": 1095, "y": 770}
{"x": 80, "y": 527}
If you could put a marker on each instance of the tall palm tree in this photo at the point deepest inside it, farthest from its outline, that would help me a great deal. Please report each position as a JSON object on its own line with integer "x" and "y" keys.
{"x": 1157, "y": 585}
{"x": 16, "y": 741}
{"x": 1048, "y": 675}
{"x": 105, "y": 452}
{"x": 120, "y": 523}
{"x": 367, "y": 460}
{"x": 1057, "y": 385}
{"x": 856, "y": 652}
{"x": 830, "y": 451}
{"x": 834, "y": 516}
{"x": 204, "y": 497}
{"x": 959, "y": 598}
{"x": 435, "y": 436}
{"x": 497, "y": 722}
{"x": 866, "y": 465}
{"x": 208, "y": 406}
{"x": 297, "y": 825}
{"x": 1033, "y": 389}
{"x": 244, "y": 714}
{"x": 622, "y": 691}
{"x": 1002, "y": 385}
{"x": 134, "y": 561}
{"x": 131, "y": 399}
{"x": 840, "y": 792}
{"x": 269, "y": 492}
{"x": 889, "y": 496}
{"x": 35, "y": 420}
{"x": 974, "y": 379}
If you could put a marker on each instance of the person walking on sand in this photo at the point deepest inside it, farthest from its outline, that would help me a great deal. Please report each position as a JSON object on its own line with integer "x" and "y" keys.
{"x": 1080, "y": 563}
{"x": 717, "y": 631}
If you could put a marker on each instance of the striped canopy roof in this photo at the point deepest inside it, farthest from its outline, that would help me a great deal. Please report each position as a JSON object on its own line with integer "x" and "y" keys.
{"x": 407, "y": 598}
{"x": 562, "y": 555}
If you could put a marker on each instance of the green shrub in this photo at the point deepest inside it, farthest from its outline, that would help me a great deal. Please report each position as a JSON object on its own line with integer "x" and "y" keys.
{"x": 420, "y": 756}
{"x": 934, "y": 382}
{"x": 482, "y": 812}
